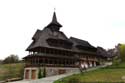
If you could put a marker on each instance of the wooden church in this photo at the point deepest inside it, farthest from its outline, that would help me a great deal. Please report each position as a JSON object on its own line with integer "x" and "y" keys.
{"x": 53, "y": 51}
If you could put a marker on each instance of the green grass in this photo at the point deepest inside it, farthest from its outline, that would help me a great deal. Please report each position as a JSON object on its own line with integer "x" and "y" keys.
{"x": 99, "y": 75}
{"x": 8, "y": 71}
{"x": 119, "y": 65}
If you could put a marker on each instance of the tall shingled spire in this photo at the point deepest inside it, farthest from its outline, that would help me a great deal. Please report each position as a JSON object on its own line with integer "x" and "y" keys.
{"x": 54, "y": 20}
{"x": 54, "y": 23}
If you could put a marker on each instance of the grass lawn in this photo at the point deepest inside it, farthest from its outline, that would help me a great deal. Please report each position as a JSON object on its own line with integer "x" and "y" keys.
{"x": 11, "y": 70}
{"x": 117, "y": 66}
{"x": 99, "y": 75}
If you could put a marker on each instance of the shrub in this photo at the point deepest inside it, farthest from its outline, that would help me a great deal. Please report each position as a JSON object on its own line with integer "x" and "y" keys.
{"x": 40, "y": 73}
{"x": 122, "y": 52}
{"x": 44, "y": 72}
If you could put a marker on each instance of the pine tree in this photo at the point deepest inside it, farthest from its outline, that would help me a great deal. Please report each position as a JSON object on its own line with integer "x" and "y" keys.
{"x": 40, "y": 73}
{"x": 44, "y": 72}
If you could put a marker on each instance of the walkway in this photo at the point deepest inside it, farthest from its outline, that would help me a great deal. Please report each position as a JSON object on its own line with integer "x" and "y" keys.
{"x": 52, "y": 78}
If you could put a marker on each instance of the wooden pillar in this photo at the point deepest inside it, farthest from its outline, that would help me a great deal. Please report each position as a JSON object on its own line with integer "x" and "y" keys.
{"x": 48, "y": 61}
{"x": 45, "y": 50}
{"x": 94, "y": 63}
{"x": 31, "y": 61}
{"x": 34, "y": 60}
{"x": 38, "y": 61}
{"x": 54, "y": 62}
{"x": 65, "y": 62}
{"x": 57, "y": 61}
{"x": 43, "y": 60}
{"x": 72, "y": 62}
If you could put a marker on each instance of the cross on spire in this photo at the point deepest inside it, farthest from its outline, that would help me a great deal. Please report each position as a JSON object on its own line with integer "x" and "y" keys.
{"x": 54, "y": 9}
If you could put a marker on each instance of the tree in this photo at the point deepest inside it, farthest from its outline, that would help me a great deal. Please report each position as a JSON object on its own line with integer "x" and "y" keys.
{"x": 11, "y": 59}
{"x": 44, "y": 72}
{"x": 122, "y": 52}
{"x": 40, "y": 73}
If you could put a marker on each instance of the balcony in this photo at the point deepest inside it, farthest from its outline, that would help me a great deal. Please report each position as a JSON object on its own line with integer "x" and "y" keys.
{"x": 50, "y": 65}
{"x": 51, "y": 55}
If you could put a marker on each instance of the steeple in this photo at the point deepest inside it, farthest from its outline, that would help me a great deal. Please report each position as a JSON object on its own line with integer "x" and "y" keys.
{"x": 54, "y": 24}
{"x": 54, "y": 20}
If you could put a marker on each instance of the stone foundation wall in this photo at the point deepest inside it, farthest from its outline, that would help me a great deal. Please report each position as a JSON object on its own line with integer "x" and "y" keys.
{"x": 55, "y": 70}
{"x": 50, "y": 71}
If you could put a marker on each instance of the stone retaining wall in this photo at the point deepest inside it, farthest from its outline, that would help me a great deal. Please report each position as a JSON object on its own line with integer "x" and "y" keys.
{"x": 55, "y": 70}
{"x": 50, "y": 71}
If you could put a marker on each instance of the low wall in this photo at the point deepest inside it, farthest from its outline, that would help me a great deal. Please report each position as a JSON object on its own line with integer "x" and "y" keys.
{"x": 50, "y": 71}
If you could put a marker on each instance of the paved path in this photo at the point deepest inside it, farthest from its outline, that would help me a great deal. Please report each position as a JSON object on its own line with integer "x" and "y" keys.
{"x": 52, "y": 78}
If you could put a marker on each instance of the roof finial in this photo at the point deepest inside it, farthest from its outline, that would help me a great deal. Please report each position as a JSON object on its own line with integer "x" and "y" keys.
{"x": 54, "y": 9}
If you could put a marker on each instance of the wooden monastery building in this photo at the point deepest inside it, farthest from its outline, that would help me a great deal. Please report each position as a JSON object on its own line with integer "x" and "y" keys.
{"x": 52, "y": 51}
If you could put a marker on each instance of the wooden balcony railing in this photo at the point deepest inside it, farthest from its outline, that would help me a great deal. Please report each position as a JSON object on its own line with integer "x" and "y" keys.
{"x": 49, "y": 65}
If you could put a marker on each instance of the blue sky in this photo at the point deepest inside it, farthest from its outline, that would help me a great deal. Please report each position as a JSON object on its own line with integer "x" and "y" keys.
{"x": 101, "y": 22}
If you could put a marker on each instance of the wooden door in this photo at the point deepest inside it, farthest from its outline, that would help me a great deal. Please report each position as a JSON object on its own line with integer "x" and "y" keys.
{"x": 27, "y": 74}
{"x": 33, "y": 76}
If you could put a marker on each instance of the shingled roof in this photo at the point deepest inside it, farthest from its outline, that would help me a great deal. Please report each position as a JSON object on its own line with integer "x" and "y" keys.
{"x": 80, "y": 42}
{"x": 82, "y": 46}
{"x": 37, "y": 34}
{"x": 41, "y": 36}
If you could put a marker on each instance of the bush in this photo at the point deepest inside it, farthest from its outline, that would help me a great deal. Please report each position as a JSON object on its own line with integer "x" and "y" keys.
{"x": 116, "y": 61}
{"x": 44, "y": 72}
{"x": 40, "y": 73}
{"x": 122, "y": 52}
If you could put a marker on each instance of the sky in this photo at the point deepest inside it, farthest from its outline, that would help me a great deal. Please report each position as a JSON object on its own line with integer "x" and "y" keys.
{"x": 100, "y": 22}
